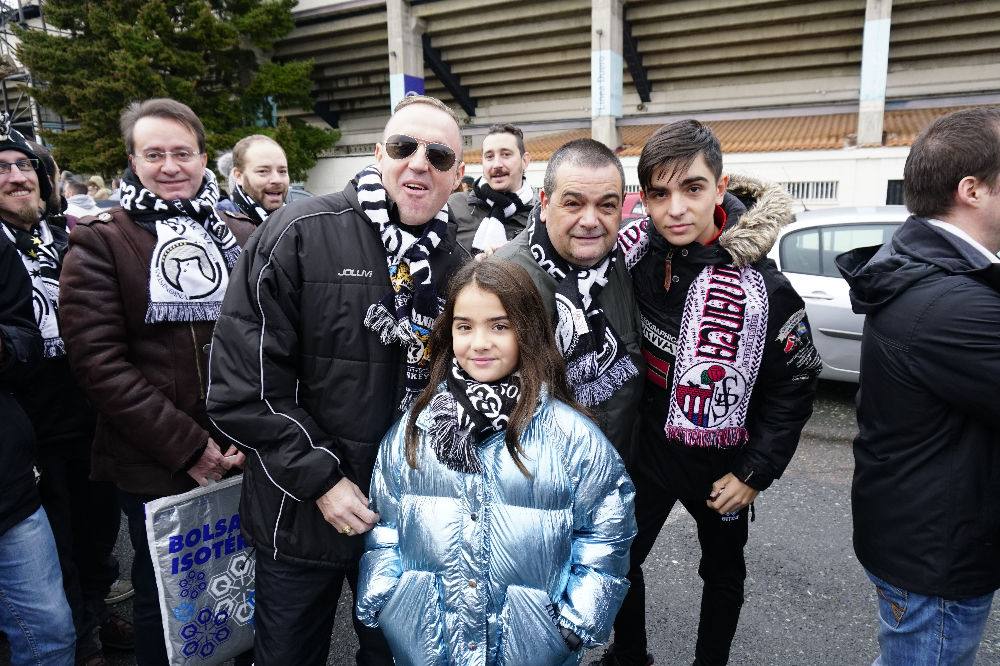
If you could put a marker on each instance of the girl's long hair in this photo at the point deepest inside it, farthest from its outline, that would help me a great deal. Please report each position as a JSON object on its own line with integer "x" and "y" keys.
{"x": 540, "y": 361}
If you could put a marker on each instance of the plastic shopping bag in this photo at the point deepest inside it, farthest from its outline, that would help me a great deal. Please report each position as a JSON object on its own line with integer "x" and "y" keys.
{"x": 204, "y": 573}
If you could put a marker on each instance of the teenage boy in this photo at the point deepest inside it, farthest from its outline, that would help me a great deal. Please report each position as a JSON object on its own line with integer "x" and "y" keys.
{"x": 731, "y": 371}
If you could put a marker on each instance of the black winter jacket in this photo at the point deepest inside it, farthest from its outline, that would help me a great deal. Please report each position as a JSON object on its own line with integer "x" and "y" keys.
{"x": 22, "y": 348}
{"x": 926, "y": 493}
{"x": 51, "y": 390}
{"x": 781, "y": 398}
{"x": 297, "y": 381}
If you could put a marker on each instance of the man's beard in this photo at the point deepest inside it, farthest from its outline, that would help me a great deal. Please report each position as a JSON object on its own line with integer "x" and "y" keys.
{"x": 26, "y": 216}
{"x": 258, "y": 196}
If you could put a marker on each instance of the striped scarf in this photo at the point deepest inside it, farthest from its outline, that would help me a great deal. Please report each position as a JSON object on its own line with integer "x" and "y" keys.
{"x": 42, "y": 261}
{"x": 597, "y": 363}
{"x": 503, "y": 206}
{"x": 194, "y": 254}
{"x": 407, "y": 312}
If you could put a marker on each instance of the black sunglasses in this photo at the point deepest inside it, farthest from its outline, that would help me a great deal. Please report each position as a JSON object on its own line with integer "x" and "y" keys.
{"x": 401, "y": 146}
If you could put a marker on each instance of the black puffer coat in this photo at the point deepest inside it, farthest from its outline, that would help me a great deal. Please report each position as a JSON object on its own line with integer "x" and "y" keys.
{"x": 297, "y": 380}
{"x": 781, "y": 398}
{"x": 52, "y": 390}
{"x": 926, "y": 493}
{"x": 22, "y": 348}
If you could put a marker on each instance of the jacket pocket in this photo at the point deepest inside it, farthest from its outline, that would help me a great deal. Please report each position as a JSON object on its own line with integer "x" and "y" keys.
{"x": 412, "y": 621}
{"x": 528, "y": 630}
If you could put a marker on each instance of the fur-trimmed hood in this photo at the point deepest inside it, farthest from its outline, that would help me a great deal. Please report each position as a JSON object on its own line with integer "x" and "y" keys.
{"x": 756, "y": 211}
{"x": 768, "y": 209}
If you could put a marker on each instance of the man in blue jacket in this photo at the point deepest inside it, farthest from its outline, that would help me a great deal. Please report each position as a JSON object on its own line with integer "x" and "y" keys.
{"x": 926, "y": 494}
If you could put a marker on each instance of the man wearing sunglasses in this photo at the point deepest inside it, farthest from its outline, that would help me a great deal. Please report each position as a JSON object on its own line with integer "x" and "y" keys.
{"x": 496, "y": 208}
{"x": 320, "y": 346}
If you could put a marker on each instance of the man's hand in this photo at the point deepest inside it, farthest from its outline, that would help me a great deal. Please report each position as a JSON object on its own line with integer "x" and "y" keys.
{"x": 235, "y": 457}
{"x": 346, "y": 508}
{"x": 730, "y": 494}
{"x": 211, "y": 466}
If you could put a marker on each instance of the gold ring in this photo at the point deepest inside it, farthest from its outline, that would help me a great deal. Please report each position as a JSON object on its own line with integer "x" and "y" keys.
{"x": 347, "y": 530}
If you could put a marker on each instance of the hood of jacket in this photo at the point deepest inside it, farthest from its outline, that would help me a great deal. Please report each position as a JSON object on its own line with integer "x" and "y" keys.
{"x": 918, "y": 249}
{"x": 768, "y": 209}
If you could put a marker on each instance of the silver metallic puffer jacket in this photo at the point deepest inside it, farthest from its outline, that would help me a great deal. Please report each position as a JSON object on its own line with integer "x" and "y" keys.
{"x": 483, "y": 568}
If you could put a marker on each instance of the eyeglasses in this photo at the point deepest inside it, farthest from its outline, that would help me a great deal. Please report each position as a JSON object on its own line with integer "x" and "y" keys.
{"x": 400, "y": 146}
{"x": 27, "y": 164}
{"x": 158, "y": 156}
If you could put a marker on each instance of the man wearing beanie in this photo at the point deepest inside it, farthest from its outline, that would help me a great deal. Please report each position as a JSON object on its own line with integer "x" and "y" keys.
{"x": 34, "y": 616}
{"x": 142, "y": 286}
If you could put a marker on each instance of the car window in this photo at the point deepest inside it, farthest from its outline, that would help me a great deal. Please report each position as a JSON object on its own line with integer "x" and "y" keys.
{"x": 813, "y": 251}
{"x": 800, "y": 252}
{"x": 637, "y": 208}
{"x": 837, "y": 240}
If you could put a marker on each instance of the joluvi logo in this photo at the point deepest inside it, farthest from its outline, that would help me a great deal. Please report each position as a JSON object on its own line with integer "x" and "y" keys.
{"x": 355, "y": 272}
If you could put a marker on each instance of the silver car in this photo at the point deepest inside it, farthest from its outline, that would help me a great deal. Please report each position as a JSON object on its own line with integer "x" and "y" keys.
{"x": 805, "y": 252}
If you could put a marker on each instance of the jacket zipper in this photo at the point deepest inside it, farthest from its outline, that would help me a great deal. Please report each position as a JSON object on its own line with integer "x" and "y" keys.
{"x": 197, "y": 363}
{"x": 668, "y": 269}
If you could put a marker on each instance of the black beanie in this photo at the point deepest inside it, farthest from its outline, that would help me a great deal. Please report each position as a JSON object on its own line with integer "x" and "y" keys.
{"x": 11, "y": 139}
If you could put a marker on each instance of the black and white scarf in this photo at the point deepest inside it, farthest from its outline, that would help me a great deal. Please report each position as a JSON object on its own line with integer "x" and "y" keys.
{"x": 468, "y": 412}
{"x": 42, "y": 261}
{"x": 503, "y": 206}
{"x": 597, "y": 363}
{"x": 719, "y": 349}
{"x": 248, "y": 206}
{"x": 406, "y": 314}
{"x": 194, "y": 253}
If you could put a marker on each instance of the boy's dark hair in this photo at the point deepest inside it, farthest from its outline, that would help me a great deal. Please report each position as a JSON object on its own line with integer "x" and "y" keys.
{"x": 960, "y": 144}
{"x": 160, "y": 107}
{"x": 76, "y": 186}
{"x": 507, "y": 128}
{"x": 582, "y": 152}
{"x": 675, "y": 147}
{"x": 540, "y": 361}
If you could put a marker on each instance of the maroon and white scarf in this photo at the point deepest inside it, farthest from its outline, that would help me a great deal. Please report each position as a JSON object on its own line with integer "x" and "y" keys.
{"x": 719, "y": 349}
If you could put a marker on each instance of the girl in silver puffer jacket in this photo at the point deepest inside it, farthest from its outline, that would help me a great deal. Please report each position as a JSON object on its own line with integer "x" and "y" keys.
{"x": 505, "y": 515}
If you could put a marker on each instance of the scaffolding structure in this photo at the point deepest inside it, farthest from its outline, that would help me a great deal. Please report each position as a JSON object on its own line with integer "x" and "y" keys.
{"x": 16, "y": 83}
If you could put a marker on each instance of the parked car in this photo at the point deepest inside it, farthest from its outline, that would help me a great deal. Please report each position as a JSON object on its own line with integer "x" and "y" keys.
{"x": 632, "y": 208}
{"x": 805, "y": 252}
{"x": 296, "y": 192}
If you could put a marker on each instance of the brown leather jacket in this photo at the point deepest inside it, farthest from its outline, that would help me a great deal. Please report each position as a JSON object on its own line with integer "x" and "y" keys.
{"x": 147, "y": 381}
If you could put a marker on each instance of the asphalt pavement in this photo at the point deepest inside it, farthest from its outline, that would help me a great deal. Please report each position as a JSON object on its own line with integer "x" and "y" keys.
{"x": 807, "y": 599}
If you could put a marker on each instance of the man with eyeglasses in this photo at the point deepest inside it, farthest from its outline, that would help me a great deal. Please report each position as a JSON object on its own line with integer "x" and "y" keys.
{"x": 34, "y": 614}
{"x": 496, "y": 209}
{"x": 142, "y": 286}
{"x": 83, "y": 514}
{"x": 321, "y": 344}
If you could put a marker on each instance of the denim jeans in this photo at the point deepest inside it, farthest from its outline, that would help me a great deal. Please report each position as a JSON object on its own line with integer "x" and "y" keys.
{"x": 33, "y": 609}
{"x": 915, "y": 630}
